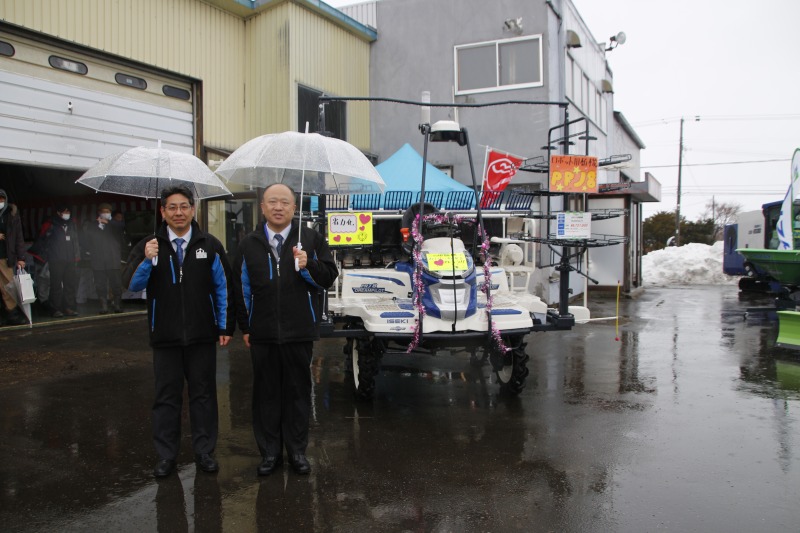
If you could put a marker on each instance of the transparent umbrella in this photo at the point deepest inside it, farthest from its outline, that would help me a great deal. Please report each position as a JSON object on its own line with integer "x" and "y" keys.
{"x": 302, "y": 161}
{"x": 143, "y": 172}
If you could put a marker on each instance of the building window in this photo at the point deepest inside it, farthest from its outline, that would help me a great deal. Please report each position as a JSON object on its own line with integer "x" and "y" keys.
{"x": 499, "y": 65}
{"x": 67, "y": 64}
{"x": 568, "y": 77}
{"x": 308, "y": 111}
{"x": 176, "y": 92}
{"x": 584, "y": 94}
{"x": 6, "y": 49}
{"x": 131, "y": 81}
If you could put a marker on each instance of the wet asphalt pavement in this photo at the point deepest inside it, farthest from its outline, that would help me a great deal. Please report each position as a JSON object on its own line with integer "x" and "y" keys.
{"x": 690, "y": 422}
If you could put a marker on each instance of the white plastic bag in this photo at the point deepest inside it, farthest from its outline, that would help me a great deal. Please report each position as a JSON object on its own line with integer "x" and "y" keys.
{"x": 24, "y": 285}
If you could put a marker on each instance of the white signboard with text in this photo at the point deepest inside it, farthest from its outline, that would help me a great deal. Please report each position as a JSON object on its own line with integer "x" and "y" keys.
{"x": 574, "y": 225}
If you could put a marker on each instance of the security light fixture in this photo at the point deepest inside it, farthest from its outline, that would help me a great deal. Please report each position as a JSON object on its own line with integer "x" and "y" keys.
{"x": 513, "y": 26}
{"x": 616, "y": 40}
{"x": 447, "y": 131}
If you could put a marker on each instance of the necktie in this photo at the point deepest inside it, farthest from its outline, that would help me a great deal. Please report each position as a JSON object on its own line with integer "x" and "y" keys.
{"x": 179, "y": 248}
{"x": 279, "y": 240}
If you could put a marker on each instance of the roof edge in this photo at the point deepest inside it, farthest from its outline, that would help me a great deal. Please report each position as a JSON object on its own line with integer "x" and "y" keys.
{"x": 619, "y": 117}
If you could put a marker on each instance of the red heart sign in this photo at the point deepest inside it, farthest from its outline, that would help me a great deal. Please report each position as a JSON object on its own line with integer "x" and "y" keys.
{"x": 364, "y": 218}
{"x": 361, "y": 228}
{"x": 337, "y": 238}
{"x": 348, "y": 239}
{"x": 439, "y": 262}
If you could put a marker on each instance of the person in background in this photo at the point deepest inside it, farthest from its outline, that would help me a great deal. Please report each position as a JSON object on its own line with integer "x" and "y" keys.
{"x": 102, "y": 241}
{"x": 63, "y": 254}
{"x": 279, "y": 307}
{"x": 190, "y": 307}
{"x": 118, "y": 219}
{"x": 12, "y": 257}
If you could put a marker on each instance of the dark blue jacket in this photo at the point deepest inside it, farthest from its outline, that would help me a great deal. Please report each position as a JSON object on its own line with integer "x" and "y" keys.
{"x": 62, "y": 240}
{"x": 278, "y": 304}
{"x": 185, "y": 305}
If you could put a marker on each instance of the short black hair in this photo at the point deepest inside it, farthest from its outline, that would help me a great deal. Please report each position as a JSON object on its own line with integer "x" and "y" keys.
{"x": 177, "y": 189}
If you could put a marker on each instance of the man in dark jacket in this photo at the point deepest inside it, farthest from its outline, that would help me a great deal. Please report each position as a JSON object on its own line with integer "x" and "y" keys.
{"x": 12, "y": 257}
{"x": 189, "y": 307}
{"x": 103, "y": 240}
{"x": 63, "y": 254}
{"x": 281, "y": 285}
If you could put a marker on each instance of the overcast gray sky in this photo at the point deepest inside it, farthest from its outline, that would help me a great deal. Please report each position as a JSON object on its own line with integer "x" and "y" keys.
{"x": 731, "y": 63}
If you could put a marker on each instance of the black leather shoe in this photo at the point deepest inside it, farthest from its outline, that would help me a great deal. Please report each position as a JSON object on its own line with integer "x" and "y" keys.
{"x": 70, "y": 312}
{"x": 164, "y": 467}
{"x": 269, "y": 465}
{"x": 206, "y": 463}
{"x": 300, "y": 464}
{"x": 57, "y": 314}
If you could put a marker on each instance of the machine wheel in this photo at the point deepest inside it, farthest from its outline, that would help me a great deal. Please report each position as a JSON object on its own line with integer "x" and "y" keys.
{"x": 365, "y": 361}
{"x": 511, "y": 368}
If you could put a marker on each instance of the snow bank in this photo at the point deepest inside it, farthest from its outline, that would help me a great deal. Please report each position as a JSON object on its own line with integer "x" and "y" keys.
{"x": 691, "y": 264}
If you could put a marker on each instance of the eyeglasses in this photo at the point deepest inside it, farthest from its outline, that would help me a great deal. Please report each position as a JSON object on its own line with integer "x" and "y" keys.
{"x": 174, "y": 208}
{"x": 274, "y": 202}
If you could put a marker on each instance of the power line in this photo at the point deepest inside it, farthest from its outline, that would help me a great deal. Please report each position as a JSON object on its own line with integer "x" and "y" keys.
{"x": 705, "y": 118}
{"x": 719, "y": 163}
{"x": 726, "y": 193}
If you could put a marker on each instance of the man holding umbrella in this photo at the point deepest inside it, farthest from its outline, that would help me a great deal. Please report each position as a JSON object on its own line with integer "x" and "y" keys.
{"x": 189, "y": 306}
{"x": 282, "y": 284}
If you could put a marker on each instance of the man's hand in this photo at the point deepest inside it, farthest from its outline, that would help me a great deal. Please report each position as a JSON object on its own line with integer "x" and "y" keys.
{"x": 2, "y": 236}
{"x": 300, "y": 257}
{"x": 224, "y": 340}
{"x": 246, "y": 338}
{"x": 151, "y": 249}
{"x": 21, "y": 264}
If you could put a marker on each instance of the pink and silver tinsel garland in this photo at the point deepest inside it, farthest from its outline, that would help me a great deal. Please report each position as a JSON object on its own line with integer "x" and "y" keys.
{"x": 441, "y": 218}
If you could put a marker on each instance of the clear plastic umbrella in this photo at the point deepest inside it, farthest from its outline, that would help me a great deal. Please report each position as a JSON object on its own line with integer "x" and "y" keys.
{"x": 310, "y": 161}
{"x": 302, "y": 161}
{"x": 143, "y": 172}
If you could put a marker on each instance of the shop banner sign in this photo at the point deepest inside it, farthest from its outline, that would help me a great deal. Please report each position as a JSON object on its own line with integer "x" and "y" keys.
{"x": 573, "y": 174}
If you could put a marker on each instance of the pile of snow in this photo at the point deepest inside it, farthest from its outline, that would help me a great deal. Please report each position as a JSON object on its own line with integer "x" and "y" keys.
{"x": 690, "y": 264}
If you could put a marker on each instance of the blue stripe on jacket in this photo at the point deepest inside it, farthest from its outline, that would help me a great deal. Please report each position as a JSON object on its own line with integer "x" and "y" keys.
{"x": 141, "y": 276}
{"x": 307, "y": 276}
{"x": 246, "y": 289}
{"x": 220, "y": 292}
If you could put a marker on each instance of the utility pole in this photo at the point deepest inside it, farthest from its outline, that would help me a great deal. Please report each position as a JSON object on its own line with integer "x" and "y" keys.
{"x": 713, "y": 217}
{"x": 678, "y": 207}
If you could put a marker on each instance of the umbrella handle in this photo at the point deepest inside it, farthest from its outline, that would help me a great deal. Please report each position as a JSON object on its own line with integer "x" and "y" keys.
{"x": 296, "y": 260}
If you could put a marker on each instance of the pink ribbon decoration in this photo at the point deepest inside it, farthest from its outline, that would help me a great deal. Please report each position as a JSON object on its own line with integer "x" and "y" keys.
{"x": 441, "y": 218}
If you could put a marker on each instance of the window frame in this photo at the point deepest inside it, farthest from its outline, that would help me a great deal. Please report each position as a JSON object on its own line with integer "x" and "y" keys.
{"x": 341, "y": 111}
{"x": 7, "y": 49}
{"x": 497, "y": 44}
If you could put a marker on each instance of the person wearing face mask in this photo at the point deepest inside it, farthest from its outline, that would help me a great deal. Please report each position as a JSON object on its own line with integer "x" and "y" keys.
{"x": 102, "y": 241}
{"x": 63, "y": 254}
{"x": 12, "y": 257}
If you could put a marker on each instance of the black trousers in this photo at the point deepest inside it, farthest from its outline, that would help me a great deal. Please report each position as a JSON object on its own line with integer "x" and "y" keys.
{"x": 281, "y": 397}
{"x": 63, "y": 285}
{"x": 198, "y": 365}
{"x": 105, "y": 280}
